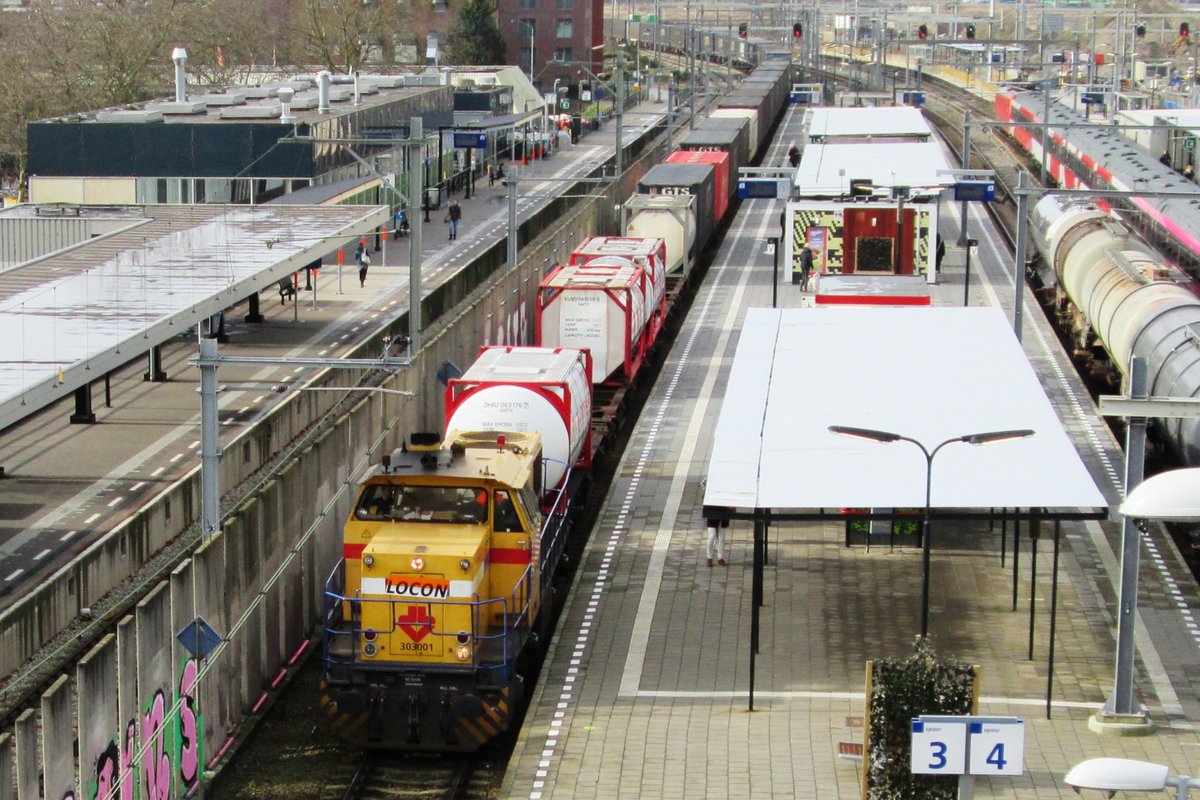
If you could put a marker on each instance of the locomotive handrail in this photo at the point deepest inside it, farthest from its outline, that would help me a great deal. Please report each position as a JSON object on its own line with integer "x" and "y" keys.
{"x": 513, "y": 613}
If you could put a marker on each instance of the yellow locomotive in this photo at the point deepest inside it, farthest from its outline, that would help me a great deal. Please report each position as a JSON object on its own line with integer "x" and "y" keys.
{"x": 448, "y": 555}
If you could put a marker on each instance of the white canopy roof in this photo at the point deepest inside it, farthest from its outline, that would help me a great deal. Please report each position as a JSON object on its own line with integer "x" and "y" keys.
{"x": 931, "y": 374}
{"x": 827, "y": 169}
{"x": 860, "y": 123}
{"x": 68, "y": 317}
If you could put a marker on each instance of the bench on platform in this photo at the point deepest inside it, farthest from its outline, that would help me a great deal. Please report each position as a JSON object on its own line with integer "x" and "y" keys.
{"x": 287, "y": 289}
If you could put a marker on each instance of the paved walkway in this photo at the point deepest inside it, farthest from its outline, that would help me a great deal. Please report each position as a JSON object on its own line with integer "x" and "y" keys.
{"x": 646, "y": 687}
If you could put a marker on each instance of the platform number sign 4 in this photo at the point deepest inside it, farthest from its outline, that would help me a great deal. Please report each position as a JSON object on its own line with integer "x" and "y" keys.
{"x": 997, "y": 748}
{"x": 939, "y": 748}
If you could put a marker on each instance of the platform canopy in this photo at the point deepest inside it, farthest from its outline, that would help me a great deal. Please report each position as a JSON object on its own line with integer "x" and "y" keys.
{"x": 70, "y": 316}
{"x": 826, "y": 170}
{"x": 931, "y": 374}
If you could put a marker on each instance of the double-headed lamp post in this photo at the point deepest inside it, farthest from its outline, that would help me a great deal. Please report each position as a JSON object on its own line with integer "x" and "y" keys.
{"x": 885, "y": 437}
{"x": 1112, "y": 775}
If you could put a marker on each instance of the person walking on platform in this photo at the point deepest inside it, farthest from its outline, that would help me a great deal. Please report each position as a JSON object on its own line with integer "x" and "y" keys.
{"x": 794, "y": 156}
{"x": 806, "y": 265}
{"x": 364, "y": 261}
{"x": 717, "y": 533}
{"x": 453, "y": 215}
{"x": 1165, "y": 158}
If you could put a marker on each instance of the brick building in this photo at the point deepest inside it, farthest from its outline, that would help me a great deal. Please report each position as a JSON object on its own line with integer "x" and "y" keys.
{"x": 558, "y": 36}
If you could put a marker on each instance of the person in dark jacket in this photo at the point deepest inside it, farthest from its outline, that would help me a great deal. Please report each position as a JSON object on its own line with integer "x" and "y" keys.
{"x": 794, "y": 156}
{"x": 453, "y": 215}
{"x": 806, "y": 265}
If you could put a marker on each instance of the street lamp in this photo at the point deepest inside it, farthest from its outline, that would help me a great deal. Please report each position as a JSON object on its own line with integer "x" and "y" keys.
{"x": 885, "y": 437}
{"x": 1172, "y": 496}
{"x": 1112, "y": 775}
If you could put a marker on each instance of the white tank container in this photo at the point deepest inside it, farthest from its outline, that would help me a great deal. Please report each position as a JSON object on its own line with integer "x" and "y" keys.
{"x": 600, "y": 308}
{"x": 522, "y": 389}
{"x": 615, "y": 251}
{"x": 671, "y": 218}
{"x": 648, "y": 253}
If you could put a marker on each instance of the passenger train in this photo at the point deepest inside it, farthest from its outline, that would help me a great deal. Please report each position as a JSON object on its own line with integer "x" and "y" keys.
{"x": 436, "y": 612}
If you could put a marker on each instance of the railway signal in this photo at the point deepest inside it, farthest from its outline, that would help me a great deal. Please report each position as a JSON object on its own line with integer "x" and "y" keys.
{"x": 1140, "y": 30}
{"x": 1184, "y": 30}
{"x": 798, "y": 30}
{"x": 970, "y": 31}
{"x": 923, "y": 32}
{"x": 742, "y": 29}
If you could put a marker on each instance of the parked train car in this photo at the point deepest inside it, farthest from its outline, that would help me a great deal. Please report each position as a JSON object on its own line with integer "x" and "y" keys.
{"x": 740, "y": 125}
{"x": 697, "y": 180}
{"x": 724, "y": 140}
{"x": 1125, "y": 298}
{"x": 442, "y": 597}
{"x": 671, "y": 218}
{"x": 723, "y": 185}
{"x": 1102, "y": 159}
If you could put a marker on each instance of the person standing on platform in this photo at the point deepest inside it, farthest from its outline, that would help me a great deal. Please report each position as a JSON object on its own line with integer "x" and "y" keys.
{"x": 1165, "y": 158}
{"x": 1189, "y": 172}
{"x": 364, "y": 261}
{"x": 794, "y": 156}
{"x": 717, "y": 533}
{"x": 453, "y": 216}
{"x": 806, "y": 265}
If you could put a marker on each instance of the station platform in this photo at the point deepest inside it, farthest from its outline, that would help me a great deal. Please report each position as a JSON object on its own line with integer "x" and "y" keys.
{"x": 65, "y": 485}
{"x": 645, "y": 692}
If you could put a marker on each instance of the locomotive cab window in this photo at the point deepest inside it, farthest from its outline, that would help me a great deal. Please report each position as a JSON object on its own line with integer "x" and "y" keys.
{"x": 506, "y": 518}
{"x": 458, "y": 504}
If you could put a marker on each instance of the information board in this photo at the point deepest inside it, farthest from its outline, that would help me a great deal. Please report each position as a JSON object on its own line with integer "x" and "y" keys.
{"x": 470, "y": 139}
{"x": 997, "y": 748}
{"x": 939, "y": 748}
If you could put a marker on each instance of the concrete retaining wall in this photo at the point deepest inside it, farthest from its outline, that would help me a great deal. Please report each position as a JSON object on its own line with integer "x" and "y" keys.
{"x": 152, "y": 714}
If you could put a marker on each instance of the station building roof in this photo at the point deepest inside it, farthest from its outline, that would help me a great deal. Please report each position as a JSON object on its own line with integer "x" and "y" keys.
{"x": 826, "y": 170}
{"x": 928, "y": 373}
{"x": 68, "y": 317}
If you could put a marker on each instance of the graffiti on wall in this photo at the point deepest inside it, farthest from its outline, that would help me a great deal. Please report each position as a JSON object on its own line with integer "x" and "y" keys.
{"x": 108, "y": 765}
{"x": 156, "y": 763}
{"x": 189, "y": 738}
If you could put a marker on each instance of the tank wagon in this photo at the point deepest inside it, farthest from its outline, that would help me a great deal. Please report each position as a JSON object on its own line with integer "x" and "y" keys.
{"x": 1123, "y": 299}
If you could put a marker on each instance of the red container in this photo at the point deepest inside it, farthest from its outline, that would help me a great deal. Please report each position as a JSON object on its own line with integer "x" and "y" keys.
{"x": 720, "y": 162}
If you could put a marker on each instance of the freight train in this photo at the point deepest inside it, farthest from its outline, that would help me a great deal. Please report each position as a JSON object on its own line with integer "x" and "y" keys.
{"x": 1123, "y": 299}
{"x": 435, "y": 614}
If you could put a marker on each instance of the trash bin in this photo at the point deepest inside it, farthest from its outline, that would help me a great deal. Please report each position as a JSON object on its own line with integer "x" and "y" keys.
{"x": 433, "y": 197}
{"x": 576, "y": 128}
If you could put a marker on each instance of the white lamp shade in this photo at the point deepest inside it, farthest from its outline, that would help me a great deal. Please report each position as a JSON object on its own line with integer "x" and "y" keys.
{"x": 1117, "y": 774}
{"x": 1172, "y": 496}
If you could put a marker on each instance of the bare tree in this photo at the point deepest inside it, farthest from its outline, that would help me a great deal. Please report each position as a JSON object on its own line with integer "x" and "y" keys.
{"x": 341, "y": 32}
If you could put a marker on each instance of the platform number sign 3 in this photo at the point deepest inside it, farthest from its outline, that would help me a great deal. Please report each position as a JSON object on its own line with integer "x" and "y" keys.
{"x": 997, "y": 749}
{"x": 939, "y": 748}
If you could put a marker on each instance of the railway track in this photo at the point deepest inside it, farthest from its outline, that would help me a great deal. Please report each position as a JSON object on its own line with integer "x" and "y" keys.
{"x": 380, "y": 776}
